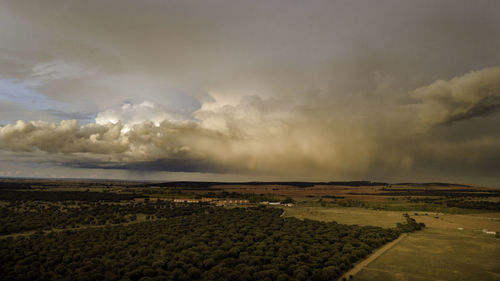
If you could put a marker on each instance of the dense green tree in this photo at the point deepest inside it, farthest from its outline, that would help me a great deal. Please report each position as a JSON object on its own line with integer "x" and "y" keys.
{"x": 187, "y": 242}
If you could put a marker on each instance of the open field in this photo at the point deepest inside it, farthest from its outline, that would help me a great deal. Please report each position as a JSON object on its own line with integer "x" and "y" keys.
{"x": 374, "y": 193}
{"x": 452, "y": 247}
{"x": 490, "y": 221}
{"x": 438, "y": 254}
{"x": 346, "y": 215}
{"x": 377, "y": 253}
{"x": 362, "y": 216}
{"x": 396, "y": 197}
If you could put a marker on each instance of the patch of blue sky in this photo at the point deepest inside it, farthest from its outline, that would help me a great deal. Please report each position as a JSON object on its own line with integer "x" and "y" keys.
{"x": 23, "y": 97}
{"x": 17, "y": 92}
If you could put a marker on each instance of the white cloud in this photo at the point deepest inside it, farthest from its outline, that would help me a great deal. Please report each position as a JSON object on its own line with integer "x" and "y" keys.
{"x": 130, "y": 114}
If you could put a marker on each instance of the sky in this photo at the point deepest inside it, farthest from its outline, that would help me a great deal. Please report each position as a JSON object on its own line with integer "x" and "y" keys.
{"x": 235, "y": 90}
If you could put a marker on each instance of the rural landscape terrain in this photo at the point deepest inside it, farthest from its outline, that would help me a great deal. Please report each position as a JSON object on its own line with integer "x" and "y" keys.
{"x": 125, "y": 230}
{"x": 250, "y": 140}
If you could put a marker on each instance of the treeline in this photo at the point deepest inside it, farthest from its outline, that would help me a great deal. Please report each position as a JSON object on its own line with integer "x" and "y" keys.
{"x": 14, "y": 185}
{"x": 202, "y": 185}
{"x": 442, "y": 184}
{"x": 436, "y": 192}
{"x": 352, "y": 203}
{"x": 431, "y": 205}
{"x": 472, "y": 204}
{"x": 410, "y": 226}
{"x": 213, "y": 244}
{"x": 54, "y": 196}
{"x": 28, "y": 216}
{"x": 461, "y": 203}
{"x": 332, "y": 197}
{"x": 55, "y": 183}
{"x": 253, "y": 198}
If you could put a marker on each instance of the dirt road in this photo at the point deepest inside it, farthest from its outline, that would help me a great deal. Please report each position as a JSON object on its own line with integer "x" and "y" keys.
{"x": 357, "y": 268}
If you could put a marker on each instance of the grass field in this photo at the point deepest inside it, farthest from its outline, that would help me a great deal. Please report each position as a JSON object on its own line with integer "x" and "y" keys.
{"x": 346, "y": 215}
{"x": 438, "y": 254}
{"x": 490, "y": 221}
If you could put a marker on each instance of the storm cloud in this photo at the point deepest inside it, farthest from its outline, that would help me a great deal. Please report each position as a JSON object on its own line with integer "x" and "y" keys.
{"x": 472, "y": 95}
{"x": 316, "y": 90}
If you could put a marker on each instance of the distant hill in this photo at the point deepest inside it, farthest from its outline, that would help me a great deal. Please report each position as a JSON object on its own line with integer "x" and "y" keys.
{"x": 441, "y": 184}
{"x": 300, "y": 184}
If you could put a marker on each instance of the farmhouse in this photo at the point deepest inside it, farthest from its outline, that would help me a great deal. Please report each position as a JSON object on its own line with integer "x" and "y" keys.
{"x": 232, "y": 202}
{"x": 216, "y": 201}
{"x": 186, "y": 200}
{"x": 489, "y": 232}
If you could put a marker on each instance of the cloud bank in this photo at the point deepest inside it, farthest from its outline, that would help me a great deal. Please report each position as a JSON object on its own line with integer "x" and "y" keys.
{"x": 273, "y": 137}
{"x": 316, "y": 90}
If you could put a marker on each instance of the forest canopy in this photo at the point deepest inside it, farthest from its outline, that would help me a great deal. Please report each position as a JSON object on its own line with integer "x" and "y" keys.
{"x": 205, "y": 243}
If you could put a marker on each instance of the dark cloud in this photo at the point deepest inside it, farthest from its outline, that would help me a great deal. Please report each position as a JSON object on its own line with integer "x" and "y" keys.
{"x": 161, "y": 165}
{"x": 472, "y": 95}
{"x": 317, "y": 89}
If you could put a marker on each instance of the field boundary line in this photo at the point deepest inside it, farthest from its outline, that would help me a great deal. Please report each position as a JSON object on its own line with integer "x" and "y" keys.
{"x": 81, "y": 227}
{"x": 359, "y": 266}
